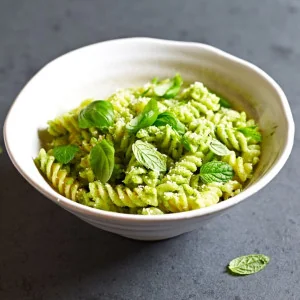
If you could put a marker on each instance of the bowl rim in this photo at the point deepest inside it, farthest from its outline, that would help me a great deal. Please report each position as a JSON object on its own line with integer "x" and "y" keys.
{"x": 75, "y": 207}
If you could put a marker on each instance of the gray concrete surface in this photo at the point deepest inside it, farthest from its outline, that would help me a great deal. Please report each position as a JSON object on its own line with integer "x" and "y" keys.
{"x": 46, "y": 253}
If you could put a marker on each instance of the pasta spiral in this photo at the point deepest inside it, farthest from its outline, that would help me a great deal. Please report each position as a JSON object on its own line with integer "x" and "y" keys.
{"x": 65, "y": 124}
{"x": 137, "y": 160}
{"x": 137, "y": 174}
{"x": 229, "y": 189}
{"x": 232, "y": 138}
{"x": 242, "y": 170}
{"x": 201, "y": 98}
{"x": 252, "y": 154}
{"x": 121, "y": 101}
{"x": 164, "y": 138}
{"x": 183, "y": 169}
{"x": 122, "y": 139}
{"x": 123, "y": 196}
{"x": 200, "y": 133}
{"x": 57, "y": 175}
{"x": 183, "y": 197}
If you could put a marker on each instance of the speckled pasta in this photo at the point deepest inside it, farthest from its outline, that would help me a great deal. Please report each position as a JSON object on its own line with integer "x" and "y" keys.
{"x": 164, "y": 147}
{"x": 232, "y": 138}
{"x": 242, "y": 170}
{"x": 122, "y": 196}
{"x": 57, "y": 175}
{"x": 183, "y": 170}
{"x": 137, "y": 175}
{"x": 179, "y": 198}
{"x": 164, "y": 138}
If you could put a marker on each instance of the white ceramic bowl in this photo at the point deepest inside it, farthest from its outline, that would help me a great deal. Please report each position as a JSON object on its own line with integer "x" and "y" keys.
{"x": 97, "y": 70}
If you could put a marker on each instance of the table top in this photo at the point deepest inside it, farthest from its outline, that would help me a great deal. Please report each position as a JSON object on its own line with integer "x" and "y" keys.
{"x": 46, "y": 253}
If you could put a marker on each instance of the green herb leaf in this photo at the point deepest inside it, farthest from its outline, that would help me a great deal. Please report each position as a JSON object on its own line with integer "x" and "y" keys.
{"x": 98, "y": 114}
{"x": 248, "y": 264}
{"x": 174, "y": 90}
{"x": 168, "y": 118}
{"x": 146, "y": 118}
{"x": 102, "y": 160}
{"x": 161, "y": 88}
{"x": 170, "y": 88}
{"x": 1, "y": 150}
{"x": 218, "y": 148}
{"x": 154, "y": 80}
{"x": 148, "y": 156}
{"x": 251, "y": 132}
{"x": 186, "y": 144}
{"x": 144, "y": 93}
{"x": 65, "y": 153}
{"x": 224, "y": 103}
{"x": 216, "y": 171}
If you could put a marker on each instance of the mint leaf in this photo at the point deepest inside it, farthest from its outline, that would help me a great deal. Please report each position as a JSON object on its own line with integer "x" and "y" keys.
{"x": 168, "y": 89}
{"x": 146, "y": 118}
{"x": 102, "y": 160}
{"x": 65, "y": 153}
{"x": 248, "y": 264}
{"x": 218, "y": 148}
{"x": 251, "y": 132}
{"x": 224, "y": 103}
{"x": 98, "y": 114}
{"x": 149, "y": 157}
{"x": 168, "y": 118}
{"x": 216, "y": 171}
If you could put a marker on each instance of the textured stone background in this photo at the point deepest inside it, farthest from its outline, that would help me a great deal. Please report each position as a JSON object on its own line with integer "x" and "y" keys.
{"x": 46, "y": 253}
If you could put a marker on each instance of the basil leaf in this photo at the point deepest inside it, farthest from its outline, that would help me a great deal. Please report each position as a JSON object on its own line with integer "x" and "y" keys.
{"x": 251, "y": 132}
{"x": 168, "y": 118}
{"x": 102, "y": 160}
{"x": 149, "y": 157}
{"x": 224, "y": 103}
{"x": 65, "y": 153}
{"x": 216, "y": 171}
{"x": 248, "y": 264}
{"x": 174, "y": 90}
{"x": 144, "y": 93}
{"x": 218, "y": 148}
{"x": 168, "y": 89}
{"x": 146, "y": 118}
{"x": 186, "y": 144}
{"x": 98, "y": 114}
{"x": 154, "y": 80}
{"x": 161, "y": 89}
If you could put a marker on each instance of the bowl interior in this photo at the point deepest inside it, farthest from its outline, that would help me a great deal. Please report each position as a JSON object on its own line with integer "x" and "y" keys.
{"x": 96, "y": 71}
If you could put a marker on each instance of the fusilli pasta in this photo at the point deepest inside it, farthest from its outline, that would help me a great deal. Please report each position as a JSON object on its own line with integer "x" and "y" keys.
{"x": 125, "y": 162}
